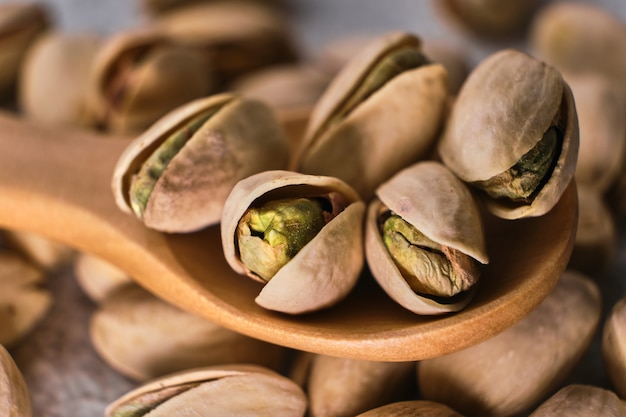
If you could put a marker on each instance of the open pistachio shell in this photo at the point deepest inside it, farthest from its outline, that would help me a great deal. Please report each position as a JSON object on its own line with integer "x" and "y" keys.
{"x": 413, "y": 408}
{"x": 436, "y": 203}
{"x": 14, "y": 396}
{"x": 227, "y": 138}
{"x": 513, "y": 133}
{"x": 325, "y": 270}
{"x": 582, "y": 401}
{"x": 540, "y": 350}
{"x": 140, "y": 75}
{"x": 381, "y": 113}
{"x": 234, "y": 390}
{"x": 614, "y": 346}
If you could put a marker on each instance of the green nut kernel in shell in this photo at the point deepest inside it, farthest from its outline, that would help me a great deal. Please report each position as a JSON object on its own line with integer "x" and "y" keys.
{"x": 513, "y": 134}
{"x": 177, "y": 175}
{"x": 425, "y": 239}
{"x": 324, "y": 269}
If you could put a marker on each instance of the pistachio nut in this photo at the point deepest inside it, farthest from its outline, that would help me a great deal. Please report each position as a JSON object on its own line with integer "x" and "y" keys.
{"x": 159, "y": 7}
{"x": 412, "y": 408}
{"x": 424, "y": 239}
{"x": 143, "y": 337}
{"x": 513, "y": 135}
{"x": 578, "y": 400}
{"x": 388, "y": 90}
{"x": 614, "y": 346}
{"x": 14, "y": 396}
{"x": 488, "y": 18}
{"x": 600, "y": 108}
{"x": 214, "y": 391}
{"x": 20, "y": 24}
{"x": 579, "y": 37}
{"x": 177, "y": 175}
{"x": 235, "y": 37}
{"x": 541, "y": 350}
{"x": 596, "y": 233}
{"x": 97, "y": 277}
{"x": 23, "y": 302}
{"x": 314, "y": 269}
{"x": 54, "y": 79}
{"x": 140, "y": 75}
{"x": 363, "y": 384}
{"x": 45, "y": 253}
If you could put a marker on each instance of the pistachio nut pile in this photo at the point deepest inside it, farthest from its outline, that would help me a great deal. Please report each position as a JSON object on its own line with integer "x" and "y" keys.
{"x": 378, "y": 164}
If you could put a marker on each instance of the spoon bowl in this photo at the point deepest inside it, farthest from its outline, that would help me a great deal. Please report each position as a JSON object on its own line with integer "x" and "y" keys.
{"x": 57, "y": 183}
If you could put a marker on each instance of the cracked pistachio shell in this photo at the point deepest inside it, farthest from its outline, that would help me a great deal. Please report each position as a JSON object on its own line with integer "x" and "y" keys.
{"x": 20, "y": 25}
{"x": 430, "y": 198}
{"x": 384, "y": 130}
{"x": 233, "y": 390}
{"x": 14, "y": 396}
{"x": 421, "y": 408}
{"x": 326, "y": 269}
{"x": 578, "y": 400}
{"x": 241, "y": 138}
{"x": 502, "y": 112}
{"x": 614, "y": 346}
{"x": 143, "y": 337}
{"x": 140, "y": 75}
{"x": 23, "y": 302}
{"x": 541, "y": 350}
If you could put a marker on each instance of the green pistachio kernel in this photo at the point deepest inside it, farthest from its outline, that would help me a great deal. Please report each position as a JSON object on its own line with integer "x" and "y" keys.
{"x": 271, "y": 235}
{"x": 428, "y": 267}
{"x": 144, "y": 181}
{"x": 524, "y": 179}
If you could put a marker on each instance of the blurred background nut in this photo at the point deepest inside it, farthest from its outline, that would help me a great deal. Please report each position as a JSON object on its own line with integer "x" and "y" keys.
{"x": 23, "y": 301}
{"x": 341, "y": 387}
{"x": 511, "y": 372}
{"x": 232, "y": 390}
{"x": 411, "y": 409}
{"x": 47, "y": 254}
{"x": 97, "y": 277}
{"x": 54, "y": 79}
{"x": 614, "y": 346}
{"x": 20, "y": 24}
{"x": 235, "y": 37}
{"x": 157, "y": 7}
{"x": 144, "y": 337}
{"x": 14, "y": 396}
{"x": 582, "y": 401}
{"x": 139, "y": 75}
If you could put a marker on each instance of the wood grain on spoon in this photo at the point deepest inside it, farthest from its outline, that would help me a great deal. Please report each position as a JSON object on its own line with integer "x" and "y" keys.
{"x": 58, "y": 184}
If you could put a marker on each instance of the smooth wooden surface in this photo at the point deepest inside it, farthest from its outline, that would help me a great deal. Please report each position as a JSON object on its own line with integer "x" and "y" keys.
{"x": 58, "y": 184}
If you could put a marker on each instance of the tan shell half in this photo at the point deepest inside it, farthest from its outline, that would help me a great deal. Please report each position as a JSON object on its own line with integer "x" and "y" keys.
{"x": 577, "y": 400}
{"x": 614, "y": 346}
{"x": 241, "y": 139}
{"x": 326, "y": 269}
{"x": 14, "y": 396}
{"x": 396, "y": 126}
{"x": 214, "y": 391}
{"x": 429, "y": 197}
{"x": 412, "y": 408}
{"x": 502, "y": 111}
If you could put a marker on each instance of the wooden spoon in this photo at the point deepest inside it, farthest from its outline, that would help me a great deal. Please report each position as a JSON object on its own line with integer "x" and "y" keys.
{"x": 58, "y": 184}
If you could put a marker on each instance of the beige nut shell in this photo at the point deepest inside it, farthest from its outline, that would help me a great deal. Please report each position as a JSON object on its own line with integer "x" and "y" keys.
{"x": 325, "y": 270}
{"x": 502, "y": 111}
{"x": 241, "y": 139}
{"x": 428, "y": 196}
{"x": 14, "y": 396}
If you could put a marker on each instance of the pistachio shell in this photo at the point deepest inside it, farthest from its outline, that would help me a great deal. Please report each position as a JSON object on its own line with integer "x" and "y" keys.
{"x": 140, "y": 75}
{"x": 429, "y": 197}
{"x": 97, "y": 277}
{"x": 541, "y": 350}
{"x": 22, "y": 302}
{"x": 324, "y": 270}
{"x": 54, "y": 79}
{"x": 407, "y": 111}
{"x": 45, "y": 253}
{"x": 501, "y": 113}
{"x": 14, "y": 397}
{"x": 582, "y": 401}
{"x": 614, "y": 346}
{"x": 240, "y": 139}
{"x": 214, "y": 391}
{"x": 144, "y": 337}
{"x": 413, "y": 408}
